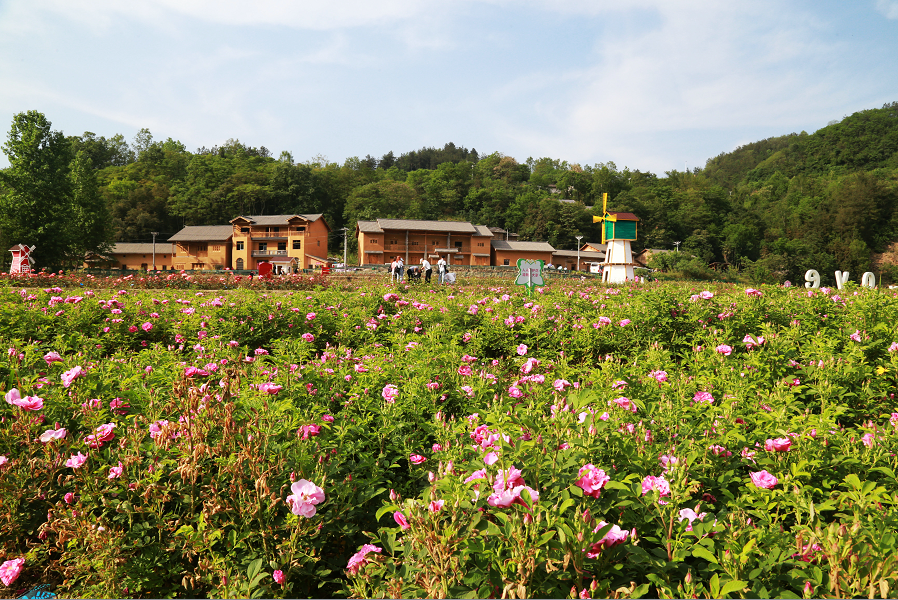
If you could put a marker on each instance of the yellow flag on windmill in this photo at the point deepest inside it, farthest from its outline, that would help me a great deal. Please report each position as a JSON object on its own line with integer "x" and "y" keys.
{"x": 618, "y": 230}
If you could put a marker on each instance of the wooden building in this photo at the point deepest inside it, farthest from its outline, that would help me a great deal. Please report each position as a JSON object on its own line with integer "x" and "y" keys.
{"x": 202, "y": 247}
{"x": 459, "y": 242}
{"x": 507, "y": 253}
{"x": 288, "y": 242}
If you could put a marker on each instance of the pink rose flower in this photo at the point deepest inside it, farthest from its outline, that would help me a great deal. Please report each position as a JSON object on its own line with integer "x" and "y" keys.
{"x": 327, "y": 419}
{"x": 724, "y": 349}
{"x": 778, "y": 445}
{"x": 592, "y": 480}
{"x": 76, "y": 461}
{"x": 359, "y": 560}
{"x": 116, "y": 472}
{"x": 101, "y": 435}
{"x": 52, "y": 434}
{"x": 52, "y": 357}
{"x": 401, "y": 520}
{"x": 625, "y": 322}
{"x": 278, "y": 577}
{"x": 416, "y": 459}
{"x": 612, "y": 537}
{"x": 515, "y": 392}
{"x": 763, "y": 479}
{"x": 659, "y": 376}
{"x": 307, "y": 431}
{"x": 270, "y": 388}
{"x": 308, "y": 337}
{"x": 69, "y": 497}
{"x": 625, "y": 403}
{"x": 703, "y": 398}
{"x": 10, "y": 570}
{"x": 688, "y": 513}
{"x": 436, "y": 505}
{"x": 706, "y": 295}
{"x": 304, "y": 498}
{"x": 656, "y": 483}
{"x": 389, "y": 393}
{"x": 147, "y": 326}
{"x": 29, "y": 403}
{"x": 522, "y": 349}
{"x": 13, "y": 396}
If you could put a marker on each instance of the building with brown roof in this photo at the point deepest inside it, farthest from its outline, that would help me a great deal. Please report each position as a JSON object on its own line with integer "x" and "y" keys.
{"x": 202, "y": 247}
{"x": 289, "y": 242}
{"x": 459, "y": 242}
{"x": 507, "y": 253}
{"x": 135, "y": 256}
{"x": 568, "y": 259}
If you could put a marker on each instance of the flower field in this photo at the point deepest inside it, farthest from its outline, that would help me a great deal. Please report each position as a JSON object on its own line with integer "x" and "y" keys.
{"x": 374, "y": 441}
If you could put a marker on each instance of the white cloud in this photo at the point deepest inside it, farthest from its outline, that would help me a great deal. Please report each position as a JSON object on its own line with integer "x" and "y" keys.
{"x": 889, "y": 8}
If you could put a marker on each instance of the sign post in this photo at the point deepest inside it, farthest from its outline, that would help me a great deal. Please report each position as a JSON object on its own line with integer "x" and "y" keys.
{"x": 530, "y": 274}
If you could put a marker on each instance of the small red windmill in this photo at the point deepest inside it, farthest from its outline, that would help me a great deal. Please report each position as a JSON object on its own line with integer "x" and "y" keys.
{"x": 21, "y": 259}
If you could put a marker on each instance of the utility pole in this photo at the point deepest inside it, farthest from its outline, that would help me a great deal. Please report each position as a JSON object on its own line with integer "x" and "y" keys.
{"x": 154, "y": 233}
{"x": 677, "y": 244}
{"x": 579, "y": 237}
{"x": 345, "y": 231}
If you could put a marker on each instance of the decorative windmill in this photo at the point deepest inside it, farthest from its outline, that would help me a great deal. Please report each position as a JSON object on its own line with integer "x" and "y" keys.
{"x": 22, "y": 262}
{"x": 618, "y": 230}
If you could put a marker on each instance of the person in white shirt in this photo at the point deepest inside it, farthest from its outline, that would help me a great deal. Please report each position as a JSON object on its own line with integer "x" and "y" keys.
{"x": 400, "y": 267}
{"x": 393, "y": 271}
{"x": 441, "y": 269}
{"x": 428, "y": 270}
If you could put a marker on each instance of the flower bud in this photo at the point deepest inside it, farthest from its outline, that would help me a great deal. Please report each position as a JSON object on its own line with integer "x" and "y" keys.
{"x": 394, "y": 497}
{"x": 587, "y": 516}
{"x": 689, "y": 577}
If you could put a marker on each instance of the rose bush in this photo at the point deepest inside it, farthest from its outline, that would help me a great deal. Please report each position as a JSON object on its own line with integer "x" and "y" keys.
{"x": 327, "y": 442}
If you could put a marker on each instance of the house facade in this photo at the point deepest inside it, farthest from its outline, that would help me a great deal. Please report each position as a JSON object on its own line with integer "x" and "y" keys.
{"x": 288, "y": 242}
{"x": 135, "y": 257}
{"x": 459, "y": 242}
{"x": 202, "y": 247}
{"x": 506, "y": 254}
{"x": 568, "y": 259}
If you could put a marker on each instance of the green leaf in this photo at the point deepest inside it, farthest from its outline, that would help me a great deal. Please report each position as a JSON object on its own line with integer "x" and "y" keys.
{"x": 546, "y": 537}
{"x": 732, "y": 586}
{"x": 702, "y": 552}
{"x": 385, "y": 509}
{"x": 253, "y": 569}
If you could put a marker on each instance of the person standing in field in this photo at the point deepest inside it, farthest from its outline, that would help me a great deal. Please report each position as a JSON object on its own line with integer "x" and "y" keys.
{"x": 393, "y": 270}
{"x": 425, "y": 265}
{"x": 441, "y": 269}
{"x": 400, "y": 269}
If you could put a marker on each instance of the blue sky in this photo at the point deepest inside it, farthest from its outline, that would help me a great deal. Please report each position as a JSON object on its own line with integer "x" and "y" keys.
{"x": 650, "y": 84}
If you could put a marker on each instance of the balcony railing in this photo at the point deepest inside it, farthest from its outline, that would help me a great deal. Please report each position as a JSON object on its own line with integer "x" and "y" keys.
{"x": 271, "y": 252}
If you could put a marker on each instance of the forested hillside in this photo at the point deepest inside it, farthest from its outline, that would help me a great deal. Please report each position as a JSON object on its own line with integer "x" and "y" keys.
{"x": 771, "y": 209}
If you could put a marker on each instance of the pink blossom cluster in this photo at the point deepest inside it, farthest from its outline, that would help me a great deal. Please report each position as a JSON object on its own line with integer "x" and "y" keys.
{"x": 306, "y": 495}
{"x": 592, "y": 480}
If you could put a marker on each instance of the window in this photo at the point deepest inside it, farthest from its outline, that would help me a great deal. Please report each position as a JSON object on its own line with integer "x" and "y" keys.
{"x": 458, "y": 244}
{"x": 179, "y": 267}
{"x": 319, "y": 242}
{"x": 202, "y": 247}
{"x": 392, "y": 241}
{"x": 433, "y": 243}
{"x": 297, "y": 245}
{"x": 374, "y": 242}
{"x": 413, "y": 243}
{"x": 480, "y": 244}
{"x": 505, "y": 262}
{"x": 263, "y": 246}
{"x": 282, "y": 246}
{"x": 275, "y": 229}
{"x": 239, "y": 264}
{"x": 300, "y": 229}
{"x": 244, "y": 230}
{"x": 143, "y": 266}
{"x": 216, "y": 248}
{"x": 240, "y": 245}
{"x": 165, "y": 267}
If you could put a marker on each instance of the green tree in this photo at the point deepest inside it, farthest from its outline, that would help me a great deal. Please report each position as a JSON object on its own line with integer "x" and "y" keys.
{"x": 36, "y": 208}
{"x": 89, "y": 215}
